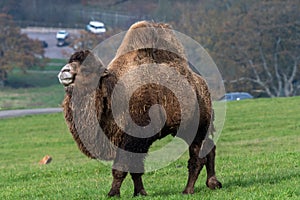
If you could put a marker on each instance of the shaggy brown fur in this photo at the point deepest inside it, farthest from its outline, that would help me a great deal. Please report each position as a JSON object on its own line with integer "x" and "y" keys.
{"x": 88, "y": 105}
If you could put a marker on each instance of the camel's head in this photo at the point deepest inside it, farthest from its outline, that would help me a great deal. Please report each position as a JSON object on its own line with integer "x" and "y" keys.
{"x": 83, "y": 66}
{"x": 68, "y": 73}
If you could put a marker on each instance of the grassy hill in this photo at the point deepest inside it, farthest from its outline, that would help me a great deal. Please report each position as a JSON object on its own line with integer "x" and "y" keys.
{"x": 258, "y": 157}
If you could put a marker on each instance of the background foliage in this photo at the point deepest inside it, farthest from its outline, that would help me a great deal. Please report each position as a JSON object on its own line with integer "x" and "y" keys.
{"x": 254, "y": 43}
{"x": 16, "y": 49}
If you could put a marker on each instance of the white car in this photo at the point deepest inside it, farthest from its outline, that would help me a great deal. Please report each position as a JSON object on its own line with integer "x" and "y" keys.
{"x": 62, "y": 34}
{"x": 96, "y": 27}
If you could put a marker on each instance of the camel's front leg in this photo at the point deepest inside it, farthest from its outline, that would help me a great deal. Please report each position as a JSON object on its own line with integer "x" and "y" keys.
{"x": 138, "y": 184}
{"x": 119, "y": 172}
{"x": 118, "y": 178}
{"x": 131, "y": 159}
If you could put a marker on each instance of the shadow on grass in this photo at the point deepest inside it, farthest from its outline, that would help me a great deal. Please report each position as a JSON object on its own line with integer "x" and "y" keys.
{"x": 234, "y": 182}
{"x": 262, "y": 180}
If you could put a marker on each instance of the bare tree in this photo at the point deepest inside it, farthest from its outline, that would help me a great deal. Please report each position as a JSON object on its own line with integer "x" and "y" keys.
{"x": 254, "y": 43}
{"x": 264, "y": 45}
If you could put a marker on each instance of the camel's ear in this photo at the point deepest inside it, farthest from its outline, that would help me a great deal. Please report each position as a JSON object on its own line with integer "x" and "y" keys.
{"x": 79, "y": 56}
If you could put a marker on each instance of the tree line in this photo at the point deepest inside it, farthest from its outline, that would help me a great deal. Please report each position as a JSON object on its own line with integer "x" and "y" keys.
{"x": 255, "y": 44}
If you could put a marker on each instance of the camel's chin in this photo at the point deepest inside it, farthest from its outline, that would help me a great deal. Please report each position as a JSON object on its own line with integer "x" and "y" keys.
{"x": 67, "y": 82}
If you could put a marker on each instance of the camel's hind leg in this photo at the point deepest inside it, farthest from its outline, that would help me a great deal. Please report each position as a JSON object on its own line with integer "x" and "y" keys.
{"x": 195, "y": 164}
{"x": 212, "y": 182}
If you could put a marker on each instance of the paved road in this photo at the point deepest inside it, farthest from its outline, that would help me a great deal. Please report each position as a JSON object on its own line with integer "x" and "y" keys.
{"x": 49, "y": 35}
{"x": 23, "y": 112}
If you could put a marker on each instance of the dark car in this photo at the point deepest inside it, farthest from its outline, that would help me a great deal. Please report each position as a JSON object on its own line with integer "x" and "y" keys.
{"x": 44, "y": 44}
{"x": 236, "y": 96}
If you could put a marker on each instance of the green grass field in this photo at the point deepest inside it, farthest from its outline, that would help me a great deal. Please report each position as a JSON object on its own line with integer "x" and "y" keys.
{"x": 258, "y": 157}
{"x": 38, "y": 88}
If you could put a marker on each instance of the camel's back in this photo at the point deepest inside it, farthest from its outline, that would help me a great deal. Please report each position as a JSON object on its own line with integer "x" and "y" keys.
{"x": 152, "y": 57}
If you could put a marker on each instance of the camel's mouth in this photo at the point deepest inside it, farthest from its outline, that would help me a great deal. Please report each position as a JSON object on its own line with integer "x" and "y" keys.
{"x": 65, "y": 76}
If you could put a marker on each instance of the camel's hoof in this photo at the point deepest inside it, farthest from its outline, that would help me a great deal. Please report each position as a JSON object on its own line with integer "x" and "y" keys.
{"x": 213, "y": 183}
{"x": 188, "y": 191}
{"x": 114, "y": 193}
{"x": 142, "y": 192}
